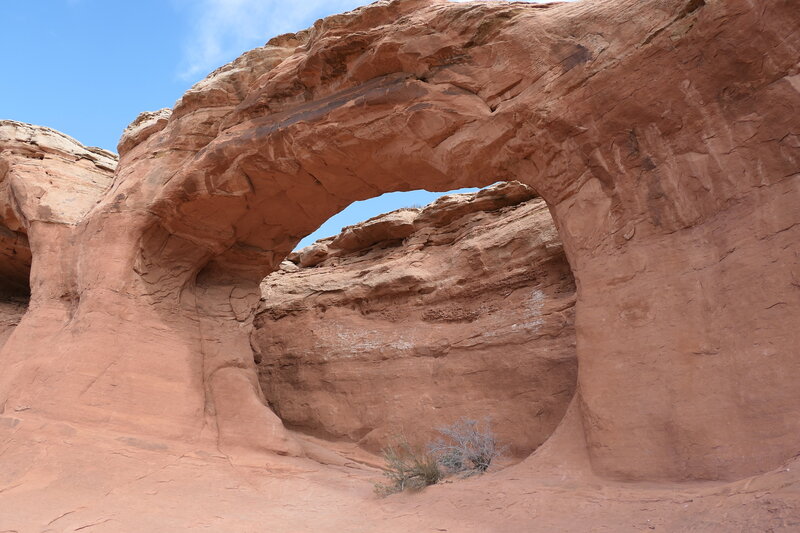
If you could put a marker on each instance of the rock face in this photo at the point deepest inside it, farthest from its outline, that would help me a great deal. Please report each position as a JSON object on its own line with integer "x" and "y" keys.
{"x": 662, "y": 135}
{"x": 12, "y": 309}
{"x": 49, "y": 177}
{"x": 145, "y": 125}
{"x": 48, "y": 182}
{"x": 46, "y": 179}
{"x": 416, "y": 318}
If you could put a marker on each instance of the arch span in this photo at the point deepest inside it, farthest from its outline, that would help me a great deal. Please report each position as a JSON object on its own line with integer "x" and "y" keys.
{"x": 664, "y": 143}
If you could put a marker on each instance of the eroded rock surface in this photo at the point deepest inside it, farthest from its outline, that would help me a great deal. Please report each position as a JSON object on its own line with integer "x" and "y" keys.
{"x": 48, "y": 176}
{"x": 418, "y": 317}
{"x": 12, "y": 309}
{"x": 664, "y": 138}
{"x": 48, "y": 183}
{"x": 46, "y": 179}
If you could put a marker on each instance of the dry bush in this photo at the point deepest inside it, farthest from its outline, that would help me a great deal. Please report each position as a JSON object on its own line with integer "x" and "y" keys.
{"x": 466, "y": 447}
{"x": 407, "y": 468}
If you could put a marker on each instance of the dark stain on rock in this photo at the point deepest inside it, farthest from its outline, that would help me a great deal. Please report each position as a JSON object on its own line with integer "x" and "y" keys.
{"x": 9, "y": 422}
{"x": 692, "y": 6}
{"x": 655, "y": 198}
{"x": 580, "y": 56}
{"x": 45, "y": 212}
{"x": 116, "y": 206}
{"x": 142, "y": 444}
{"x": 633, "y": 144}
{"x": 648, "y": 164}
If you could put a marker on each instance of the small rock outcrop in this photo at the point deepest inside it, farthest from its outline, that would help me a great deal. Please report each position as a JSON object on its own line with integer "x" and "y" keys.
{"x": 414, "y": 319}
{"x": 145, "y": 125}
{"x": 48, "y": 183}
{"x": 48, "y": 176}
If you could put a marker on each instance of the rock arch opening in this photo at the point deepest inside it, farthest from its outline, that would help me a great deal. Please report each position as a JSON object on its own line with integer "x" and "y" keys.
{"x": 373, "y": 207}
{"x": 413, "y": 319}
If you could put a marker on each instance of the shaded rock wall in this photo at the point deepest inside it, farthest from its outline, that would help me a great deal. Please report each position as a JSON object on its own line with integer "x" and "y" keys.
{"x": 11, "y": 312}
{"x": 416, "y": 318}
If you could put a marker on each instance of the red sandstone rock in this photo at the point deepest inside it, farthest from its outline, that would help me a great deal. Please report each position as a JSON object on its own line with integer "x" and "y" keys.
{"x": 389, "y": 227}
{"x": 47, "y": 181}
{"x": 662, "y": 135}
{"x": 145, "y": 125}
{"x": 461, "y": 309}
{"x": 12, "y": 310}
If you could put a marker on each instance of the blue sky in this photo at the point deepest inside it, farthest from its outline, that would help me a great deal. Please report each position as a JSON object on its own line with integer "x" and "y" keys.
{"x": 89, "y": 67}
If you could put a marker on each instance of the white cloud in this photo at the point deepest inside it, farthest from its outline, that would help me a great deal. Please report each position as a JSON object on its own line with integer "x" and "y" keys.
{"x": 223, "y": 29}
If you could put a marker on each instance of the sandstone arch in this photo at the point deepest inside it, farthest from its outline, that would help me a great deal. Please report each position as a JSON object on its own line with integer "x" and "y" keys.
{"x": 686, "y": 183}
{"x": 411, "y": 320}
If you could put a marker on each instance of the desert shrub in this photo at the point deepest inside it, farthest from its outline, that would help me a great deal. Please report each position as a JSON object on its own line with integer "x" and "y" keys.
{"x": 466, "y": 447}
{"x": 407, "y": 468}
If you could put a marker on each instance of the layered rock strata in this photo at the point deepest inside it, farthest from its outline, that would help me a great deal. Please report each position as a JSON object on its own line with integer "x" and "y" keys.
{"x": 414, "y": 319}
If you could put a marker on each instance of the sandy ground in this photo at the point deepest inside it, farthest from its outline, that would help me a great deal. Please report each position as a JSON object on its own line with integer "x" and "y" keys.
{"x": 60, "y": 478}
